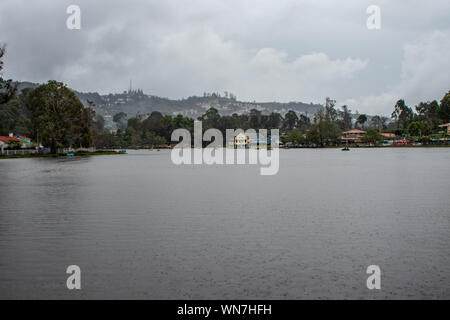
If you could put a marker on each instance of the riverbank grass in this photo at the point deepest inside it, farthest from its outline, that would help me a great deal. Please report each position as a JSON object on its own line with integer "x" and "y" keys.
{"x": 76, "y": 154}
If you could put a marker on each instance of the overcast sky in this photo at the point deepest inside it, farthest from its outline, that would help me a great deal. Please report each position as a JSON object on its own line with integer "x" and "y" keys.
{"x": 277, "y": 50}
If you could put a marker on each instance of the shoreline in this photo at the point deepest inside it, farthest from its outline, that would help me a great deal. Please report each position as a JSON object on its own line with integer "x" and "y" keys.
{"x": 101, "y": 153}
{"x": 76, "y": 154}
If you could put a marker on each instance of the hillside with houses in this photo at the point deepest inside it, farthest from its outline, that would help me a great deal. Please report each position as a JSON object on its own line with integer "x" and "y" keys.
{"x": 137, "y": 103}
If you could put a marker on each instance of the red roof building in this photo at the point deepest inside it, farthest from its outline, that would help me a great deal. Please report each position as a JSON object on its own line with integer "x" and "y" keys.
{"x": 354, "y": 135}
{"x": 388, "y": 135}
{"x": 445, "y": 125}
{"x": 6, "y": 139}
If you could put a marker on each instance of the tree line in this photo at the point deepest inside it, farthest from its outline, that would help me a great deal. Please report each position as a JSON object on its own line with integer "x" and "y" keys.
{"x": 53, "y": 115}
{"x": 323, "y": 129}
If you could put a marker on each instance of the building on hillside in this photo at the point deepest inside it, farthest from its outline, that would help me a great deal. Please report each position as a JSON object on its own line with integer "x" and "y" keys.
{"x": 353, "y": 136}
{"x": 445, "y": 128}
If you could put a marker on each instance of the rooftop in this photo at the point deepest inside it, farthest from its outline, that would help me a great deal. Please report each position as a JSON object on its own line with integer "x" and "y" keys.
{"x": 6, "y": 139}
{"x": 354, "y": 131}
{"x": 388, "y": 135}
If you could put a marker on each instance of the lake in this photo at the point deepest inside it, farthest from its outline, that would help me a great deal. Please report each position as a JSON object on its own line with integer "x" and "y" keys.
{"x": 140, "y": 227}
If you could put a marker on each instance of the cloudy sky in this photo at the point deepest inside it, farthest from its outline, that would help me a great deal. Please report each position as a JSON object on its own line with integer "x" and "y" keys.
{"x": 277, "y": 50}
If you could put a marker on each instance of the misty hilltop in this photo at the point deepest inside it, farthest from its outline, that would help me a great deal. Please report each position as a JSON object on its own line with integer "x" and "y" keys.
{"x": 136, "y": 102}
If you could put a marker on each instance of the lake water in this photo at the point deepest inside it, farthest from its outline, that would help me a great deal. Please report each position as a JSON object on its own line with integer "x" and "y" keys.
{"x": 140, "y": 227}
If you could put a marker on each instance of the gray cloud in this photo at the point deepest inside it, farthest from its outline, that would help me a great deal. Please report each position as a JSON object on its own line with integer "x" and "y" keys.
{"x": 258, "y": 49}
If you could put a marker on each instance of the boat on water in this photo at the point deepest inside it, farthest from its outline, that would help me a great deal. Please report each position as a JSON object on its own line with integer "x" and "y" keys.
{"x": 69, "y": 155}
{"x": 122, "y": 151}
{"x": 346, "y": 148}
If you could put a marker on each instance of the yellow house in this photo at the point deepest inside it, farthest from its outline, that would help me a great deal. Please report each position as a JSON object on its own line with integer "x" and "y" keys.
{"x": 240, "y": 140}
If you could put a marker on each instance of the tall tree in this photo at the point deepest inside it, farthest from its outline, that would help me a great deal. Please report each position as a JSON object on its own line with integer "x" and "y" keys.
{"x": 210, "y": 119}
{"x": 8, "y": 111}
{"x": 303, "y": 123}
{"x": 402, "y": 114}
{"x": 120, "y": 120}
{"x": 274, "y": 121}
{"x": 378, "y": 122}
{"x": 419, "y": 128}
{"x": 362, "y": 119}
{"x": 58, "y": 116}
{"x": 429, "y": 112}
{"x": 345, "y": 118}
{"x": 255, "y": 119}
{"x": 7, "y": 87}
{"x": 290, "y": 120}
{"x": 372, "y": 136}
{"x": 444, "y": 108}
{"x": 323, "y": 131}
{"x": 330, "y": 111}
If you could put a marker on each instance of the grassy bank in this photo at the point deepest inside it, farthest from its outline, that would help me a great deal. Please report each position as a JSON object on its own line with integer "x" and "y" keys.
{"x": 77, "y": 154}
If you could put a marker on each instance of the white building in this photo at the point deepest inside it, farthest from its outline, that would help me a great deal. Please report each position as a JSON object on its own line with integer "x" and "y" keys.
{"x": 240, "y": 140}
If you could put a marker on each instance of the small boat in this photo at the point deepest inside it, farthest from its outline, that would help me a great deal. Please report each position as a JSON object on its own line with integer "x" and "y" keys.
{"x": 122, "y": 151}
{"x": 346, "y": 149}
{"x": 70, "y": 154}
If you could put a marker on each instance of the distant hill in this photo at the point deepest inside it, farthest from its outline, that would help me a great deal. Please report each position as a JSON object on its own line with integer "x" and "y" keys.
{"x": 26, "y": 85}
{"x": 135, "y": 102}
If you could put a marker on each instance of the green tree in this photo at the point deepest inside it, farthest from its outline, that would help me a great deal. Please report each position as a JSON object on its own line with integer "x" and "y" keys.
{"x": 303, "y": 123}
{"x": 323, "y": 131}
{"x": 344, "y": 118}
{"x": 402, "y": 114}
{"x": 362, "y": 119}
{"x": 58, "y": 116}
{"x": 290, "y": 120}
{"x": 96, "y": 124}
{"x": 274, "y": 121}
{"x": 210, "y": 119}
{"x": 255, "y": 119}
{"x": 444, "y": 108}
{"x": 330, "y": 111}
{"x": 294, "y": 136}
{"x": 378, "y": 122}
{"x": 429, "y": 111}
{"x": 372, "y": 136}
{"x": 419, "y": 128}
{"x": 155, "y": 123}
{"x": 120, "y": 120}
{"x": 12, "y": 115}
{"x": 7, "y": 87}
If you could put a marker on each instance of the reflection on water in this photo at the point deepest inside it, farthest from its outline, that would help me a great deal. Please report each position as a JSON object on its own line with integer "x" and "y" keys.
{"x": 141, "y": 227}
